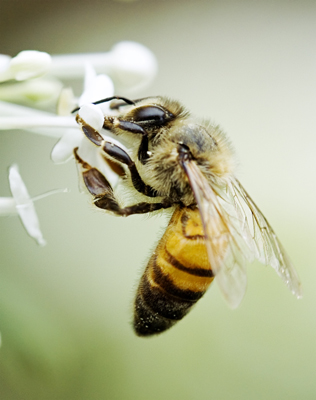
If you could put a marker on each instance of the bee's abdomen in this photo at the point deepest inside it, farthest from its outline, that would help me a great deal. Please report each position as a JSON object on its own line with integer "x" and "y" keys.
{"x": 155, "y": 309}
{"x": 176, "y": 276}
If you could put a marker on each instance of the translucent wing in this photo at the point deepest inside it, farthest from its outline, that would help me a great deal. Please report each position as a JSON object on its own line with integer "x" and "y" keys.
{"x": 227, "y": 247}
{"x": 236, "y": 233}
{"x": 266, "y": 246}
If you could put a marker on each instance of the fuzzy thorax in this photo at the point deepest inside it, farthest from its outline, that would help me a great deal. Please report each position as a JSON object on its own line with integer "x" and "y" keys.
{"x": 209, "y": 148}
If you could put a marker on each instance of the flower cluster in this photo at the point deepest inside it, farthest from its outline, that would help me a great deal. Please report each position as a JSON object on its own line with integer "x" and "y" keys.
{"x": 32, "y": 82}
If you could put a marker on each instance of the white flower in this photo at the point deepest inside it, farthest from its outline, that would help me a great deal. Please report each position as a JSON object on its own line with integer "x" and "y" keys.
{"x": 65, "y": 127}
{"x": 17, "y": 79}
{"x": 21, "y": 204}
{"x": 130, "y": 65}
{"x": 95, "y": 87}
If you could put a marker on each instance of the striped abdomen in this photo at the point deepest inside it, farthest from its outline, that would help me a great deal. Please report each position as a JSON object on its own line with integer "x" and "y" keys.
{"x": 177, "y": 275}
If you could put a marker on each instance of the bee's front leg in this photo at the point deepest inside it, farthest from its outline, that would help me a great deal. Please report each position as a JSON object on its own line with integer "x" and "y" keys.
{"x": 103, "y": 194}
{"x": 112, "y": 124}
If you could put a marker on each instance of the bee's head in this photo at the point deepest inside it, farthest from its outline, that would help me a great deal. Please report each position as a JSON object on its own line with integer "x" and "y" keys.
{"x": 153, "y": 114}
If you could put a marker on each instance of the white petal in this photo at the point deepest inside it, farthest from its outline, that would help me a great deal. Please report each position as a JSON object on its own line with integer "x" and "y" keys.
{"x": 96, "y": 87}
{"x": 24, "y": 205}
{"x": 92, "y": 115}
{"x": 17, "y": 186}
{"x": 133, "y": 65}
{"x": 103, "y": 87}
{"x": 63, "y": 149}
{"x": 29, "y": 64}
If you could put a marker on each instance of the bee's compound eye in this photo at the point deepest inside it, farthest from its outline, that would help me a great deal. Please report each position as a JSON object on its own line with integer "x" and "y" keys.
{"x": 151, "y": 115}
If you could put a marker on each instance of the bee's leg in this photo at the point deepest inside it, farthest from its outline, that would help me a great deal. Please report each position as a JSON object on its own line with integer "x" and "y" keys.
{"x": 95, "y": 182}
{"x": 121, "y": 156}
{"x": 104, "y": 198}
{"x": 110, "y": 123}
{"x": 139, "y": 208}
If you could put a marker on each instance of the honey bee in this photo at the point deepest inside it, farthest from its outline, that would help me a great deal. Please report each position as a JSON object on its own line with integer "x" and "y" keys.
{"x": 178, "y": 162}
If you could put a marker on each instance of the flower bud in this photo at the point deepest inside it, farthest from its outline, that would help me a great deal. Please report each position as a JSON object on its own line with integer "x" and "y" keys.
{"x": 29, "y": 64}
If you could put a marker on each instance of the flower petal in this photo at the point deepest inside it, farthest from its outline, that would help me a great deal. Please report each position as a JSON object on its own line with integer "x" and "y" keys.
{"x": 96, "y": 87}
{"x": 24, "y": 205}
{"x": 92, "y": 115}
{"x": 63, "y": 149}
{"x": 134, "y": 66}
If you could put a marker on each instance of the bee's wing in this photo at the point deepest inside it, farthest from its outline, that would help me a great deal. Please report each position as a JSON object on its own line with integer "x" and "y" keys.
{"x": 267, "y": 247}
{"x": 226, "y": 246}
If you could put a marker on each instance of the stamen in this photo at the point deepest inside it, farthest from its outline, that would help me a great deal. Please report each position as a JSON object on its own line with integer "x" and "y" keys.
{"x": 46, "y": 194}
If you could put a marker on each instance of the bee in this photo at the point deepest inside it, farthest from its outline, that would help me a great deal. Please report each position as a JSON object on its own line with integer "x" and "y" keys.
{"x": 176, "y": 162}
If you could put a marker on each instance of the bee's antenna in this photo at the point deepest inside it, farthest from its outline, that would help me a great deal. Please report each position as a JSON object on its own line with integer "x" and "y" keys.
{"x": 127, "y": 101}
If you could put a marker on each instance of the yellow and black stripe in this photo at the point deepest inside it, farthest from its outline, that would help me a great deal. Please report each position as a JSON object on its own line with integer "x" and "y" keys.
{"x": 177, "y": 275}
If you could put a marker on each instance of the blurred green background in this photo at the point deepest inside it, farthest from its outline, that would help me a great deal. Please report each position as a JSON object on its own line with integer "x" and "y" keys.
{"x": 65, "y": 309}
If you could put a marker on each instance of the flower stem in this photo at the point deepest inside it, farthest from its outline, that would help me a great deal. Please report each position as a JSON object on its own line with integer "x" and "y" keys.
{"x": 36, "y": 122}
{"x": 7, "y": 206}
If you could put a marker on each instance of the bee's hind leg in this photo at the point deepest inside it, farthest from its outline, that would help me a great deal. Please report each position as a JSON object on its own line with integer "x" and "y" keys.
{"x": 104, "y": 198}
